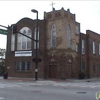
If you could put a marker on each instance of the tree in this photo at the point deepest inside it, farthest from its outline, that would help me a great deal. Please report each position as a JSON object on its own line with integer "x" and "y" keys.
{"x": 2, "y": 61}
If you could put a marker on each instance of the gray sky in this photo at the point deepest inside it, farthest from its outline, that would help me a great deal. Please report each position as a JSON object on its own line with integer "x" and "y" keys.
{"x": 87, "y": 12}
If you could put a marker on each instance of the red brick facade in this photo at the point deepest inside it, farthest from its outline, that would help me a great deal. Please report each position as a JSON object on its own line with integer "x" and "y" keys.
{"x": 57, "y": 62}
{"x": 11, "y": 58}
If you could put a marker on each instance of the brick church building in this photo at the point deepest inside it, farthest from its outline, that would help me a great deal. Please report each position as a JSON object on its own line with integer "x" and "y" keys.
{"x": 64, "y": 51}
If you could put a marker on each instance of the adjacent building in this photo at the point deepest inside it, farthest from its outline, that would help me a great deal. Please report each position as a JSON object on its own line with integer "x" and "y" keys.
{"x": 64, "y": 51}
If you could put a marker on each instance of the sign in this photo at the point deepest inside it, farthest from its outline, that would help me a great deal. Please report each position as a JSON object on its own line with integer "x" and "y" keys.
{"x": 4, "y": 32}
{"x": 23, "y": 53}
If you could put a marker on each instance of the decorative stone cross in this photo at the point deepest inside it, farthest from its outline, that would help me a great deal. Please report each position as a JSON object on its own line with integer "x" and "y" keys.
{"x": 52, "y": 5}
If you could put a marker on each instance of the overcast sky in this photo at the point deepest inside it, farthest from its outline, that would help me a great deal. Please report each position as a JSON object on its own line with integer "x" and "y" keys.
{"x": 87, "y": 12}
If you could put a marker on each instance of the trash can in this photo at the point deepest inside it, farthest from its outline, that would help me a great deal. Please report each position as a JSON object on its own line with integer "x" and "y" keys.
{"x": 5, "y": 75}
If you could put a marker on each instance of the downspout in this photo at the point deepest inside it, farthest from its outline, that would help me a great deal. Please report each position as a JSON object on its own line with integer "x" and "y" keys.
{"x": 80, "y": 52}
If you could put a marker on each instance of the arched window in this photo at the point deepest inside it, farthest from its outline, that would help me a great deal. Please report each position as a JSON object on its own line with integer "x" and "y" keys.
{"x": 68, "y": 37}
{"x": 24, "y": 43}
{"x": 35, "y": 38}
{"x": 53, "y": 35}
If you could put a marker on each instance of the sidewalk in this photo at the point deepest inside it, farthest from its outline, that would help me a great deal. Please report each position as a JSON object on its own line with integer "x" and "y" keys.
{"x": 18, "y": 79}
{"x": 48, "y": 80}
{"x": 84, "y": 80}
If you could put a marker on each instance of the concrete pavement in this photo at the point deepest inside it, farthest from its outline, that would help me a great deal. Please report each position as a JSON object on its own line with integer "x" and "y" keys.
{"x": 48, "y": 80}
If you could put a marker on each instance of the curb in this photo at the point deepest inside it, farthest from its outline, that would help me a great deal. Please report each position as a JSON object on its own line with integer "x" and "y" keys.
{"x": 49, "y": 80}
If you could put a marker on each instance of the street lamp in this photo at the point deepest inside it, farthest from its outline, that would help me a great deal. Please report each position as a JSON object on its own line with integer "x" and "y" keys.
{"x": 36, "y": 62}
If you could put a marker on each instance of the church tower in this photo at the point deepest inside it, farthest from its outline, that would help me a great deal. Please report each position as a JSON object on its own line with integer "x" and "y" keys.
{"x": 62, "y": 38}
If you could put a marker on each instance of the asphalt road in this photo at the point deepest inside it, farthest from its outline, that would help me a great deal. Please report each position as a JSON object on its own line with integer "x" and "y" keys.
{"x": 48, "y": 90}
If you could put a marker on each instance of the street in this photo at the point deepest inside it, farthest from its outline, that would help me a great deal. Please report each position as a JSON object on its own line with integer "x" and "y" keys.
{"x": 48, "y": 90}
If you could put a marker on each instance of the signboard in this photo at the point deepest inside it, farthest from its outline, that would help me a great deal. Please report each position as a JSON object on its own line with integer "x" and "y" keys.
{"x": 4, "y": 32}
{"x": 23, "y": 53}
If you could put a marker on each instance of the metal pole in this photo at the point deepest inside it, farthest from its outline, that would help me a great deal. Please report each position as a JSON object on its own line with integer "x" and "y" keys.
{"x": 9, "y": 27}
{"x": 3, "y": 26}
{"x": 2, "y": 65}
{"x": 36, "y": 67}
{"x": 36, "y": 58}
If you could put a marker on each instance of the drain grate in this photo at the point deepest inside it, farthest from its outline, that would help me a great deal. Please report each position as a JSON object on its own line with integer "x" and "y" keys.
{"x": 36, "y": 91}
{"x": 82, "y": 92}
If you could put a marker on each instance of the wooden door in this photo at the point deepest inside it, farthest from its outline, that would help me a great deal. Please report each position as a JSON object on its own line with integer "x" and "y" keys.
{"x": 52, "y": 71}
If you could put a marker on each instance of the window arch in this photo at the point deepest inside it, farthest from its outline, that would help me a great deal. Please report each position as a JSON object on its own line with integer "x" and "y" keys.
{"x": 53, "y": 35}
{"x": 24, "y": 43}
{"x": 68, "y": 36}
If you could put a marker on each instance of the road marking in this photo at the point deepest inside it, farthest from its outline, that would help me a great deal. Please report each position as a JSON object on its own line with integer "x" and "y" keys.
{"x": 77, "y": 85}
{"x": 85, "y": 85}
{"x": 8, "y": 85}
{"x": 95, "y": 86}
{"x": 1, "y": 98}
{"x": 62, "y": 84}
